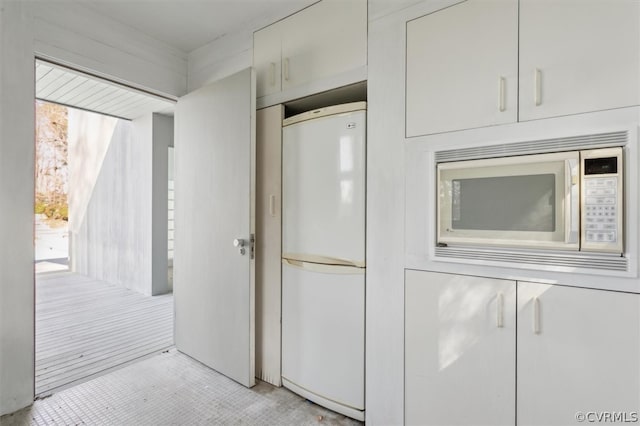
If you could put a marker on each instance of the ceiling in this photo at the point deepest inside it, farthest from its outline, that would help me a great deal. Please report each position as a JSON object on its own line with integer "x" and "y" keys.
{"x": 182, "y": 24}
{"x": 75, "y": 89}
{"x": 190, "y": 24}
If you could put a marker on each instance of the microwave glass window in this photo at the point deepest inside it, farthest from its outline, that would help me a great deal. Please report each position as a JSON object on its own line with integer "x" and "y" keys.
{"x": 504, "y": 203}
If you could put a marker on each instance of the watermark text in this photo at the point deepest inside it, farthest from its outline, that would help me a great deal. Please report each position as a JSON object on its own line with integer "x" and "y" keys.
{"x": 607, "y": 417}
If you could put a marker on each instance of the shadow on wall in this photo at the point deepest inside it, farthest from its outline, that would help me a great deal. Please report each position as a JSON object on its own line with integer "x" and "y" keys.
{"x": 89, "y": 137}
{"x": 109, "y": 201}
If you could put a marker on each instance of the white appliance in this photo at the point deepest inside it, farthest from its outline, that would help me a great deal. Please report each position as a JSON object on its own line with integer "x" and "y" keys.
{"x": 323, "y": 260}
{"x": 566, "y": 200}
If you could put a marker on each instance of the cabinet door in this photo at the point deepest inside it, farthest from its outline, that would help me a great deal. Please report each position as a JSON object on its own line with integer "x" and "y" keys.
{"x": 578, "y": 56}
{"x": 578, "y": 352}
{"x": 462, "y": 67}
{"x": 459, "y": 350}
{"x": 326, "y": 39}
{"x": 266, "y": 59}
{"x": 268, "y": 242}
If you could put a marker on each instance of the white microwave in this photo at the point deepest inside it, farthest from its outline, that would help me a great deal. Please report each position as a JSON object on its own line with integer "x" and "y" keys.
{"x": 562, "y": 201}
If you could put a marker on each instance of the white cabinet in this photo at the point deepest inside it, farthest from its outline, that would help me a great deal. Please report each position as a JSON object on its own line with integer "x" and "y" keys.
{"x": 324, "y": 40}
{"x": 459, "y": 350}
{"x": 578, "y": 56}
{"x": 462, "y": 67}
{"x": 578, "y": 351}
{"x": 268, "y": 242}
{"x": 266, "y": 60}
{"x": 486, "y": 62}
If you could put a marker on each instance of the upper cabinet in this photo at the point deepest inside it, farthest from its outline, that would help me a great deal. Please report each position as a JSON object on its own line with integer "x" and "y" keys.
{"x": 471, "y": 65}
{"x": 267, "y": 52}
{"x": 462, "y": 67}
{"x": 302, "y": 48}
{"x": 578, "y": 56}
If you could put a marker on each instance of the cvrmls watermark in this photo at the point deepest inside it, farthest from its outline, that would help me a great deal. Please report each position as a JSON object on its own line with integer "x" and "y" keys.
{"x": 607, "y": 416}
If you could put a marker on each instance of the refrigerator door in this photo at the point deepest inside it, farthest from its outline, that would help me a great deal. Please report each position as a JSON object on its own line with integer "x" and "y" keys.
{"x": 324, "y": 189}
{"x": 323, "y": 334}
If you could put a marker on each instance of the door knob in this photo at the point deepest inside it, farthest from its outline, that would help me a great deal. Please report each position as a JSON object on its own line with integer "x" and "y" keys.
{"x": 238, "y": 242}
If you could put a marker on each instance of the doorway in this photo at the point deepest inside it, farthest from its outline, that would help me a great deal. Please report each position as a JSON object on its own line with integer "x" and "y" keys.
{"x": 100, "y": 301}
{"x": 51, "y": 188}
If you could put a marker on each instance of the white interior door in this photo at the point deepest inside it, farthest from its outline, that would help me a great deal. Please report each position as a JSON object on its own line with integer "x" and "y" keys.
{"x": 214, "y": 205}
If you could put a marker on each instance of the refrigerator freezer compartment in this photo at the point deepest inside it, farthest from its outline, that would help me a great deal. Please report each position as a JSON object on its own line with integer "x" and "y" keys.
{"x": 323, "y": 318}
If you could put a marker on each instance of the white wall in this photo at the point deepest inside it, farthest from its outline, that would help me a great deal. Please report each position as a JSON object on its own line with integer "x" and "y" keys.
{"x": 118, "y": 199}
{"x": 72, "y": 34}
{"x": 88, "y": 42}
{"x": 221, "y": 58}
{"x": 16, "y": 215}
{"x": 162, "y": 135}
{"x": 112, "y": 240}
{"x": 230, "y": 53}
{"x": 385, "y": 226}
{"x": 88, "y": 136}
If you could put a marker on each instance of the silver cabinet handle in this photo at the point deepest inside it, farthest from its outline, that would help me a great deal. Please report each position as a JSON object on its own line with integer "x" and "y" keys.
{"x": 537, "y": 95}
{"x": 238, "y": 242}
{"x": 536, "y": 315}
{"x": 501, "y": 94}
{"x": 272, "y": 74}
{"x": 272, "y": 205}
{"x": 500, "y": 311}
{"x": 286, "y": 69}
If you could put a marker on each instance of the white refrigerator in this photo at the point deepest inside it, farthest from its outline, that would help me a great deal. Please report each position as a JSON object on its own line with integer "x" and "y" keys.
{"x": 323, "y": 260}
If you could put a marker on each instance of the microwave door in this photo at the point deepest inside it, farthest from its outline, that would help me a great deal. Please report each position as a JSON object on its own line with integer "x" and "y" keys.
{"x": 526, "y": 201}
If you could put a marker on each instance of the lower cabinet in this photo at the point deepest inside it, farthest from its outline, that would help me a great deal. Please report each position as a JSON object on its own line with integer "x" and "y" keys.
{"x": 577, "y": 352}
{"x": 460, "y": 343}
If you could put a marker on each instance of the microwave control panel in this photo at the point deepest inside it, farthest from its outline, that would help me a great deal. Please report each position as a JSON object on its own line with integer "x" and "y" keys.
{"x": 602, "y": 200}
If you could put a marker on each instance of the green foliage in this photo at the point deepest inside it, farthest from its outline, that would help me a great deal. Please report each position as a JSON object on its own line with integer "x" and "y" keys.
{"x": 57, "y": 211}
{"x": 51, "y": 160}
{"x": 54, "y": 207}
{"x": 39, "y": 207}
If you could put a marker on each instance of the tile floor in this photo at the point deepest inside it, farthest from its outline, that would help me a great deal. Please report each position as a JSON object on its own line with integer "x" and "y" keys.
{"x": 172, "y": 389}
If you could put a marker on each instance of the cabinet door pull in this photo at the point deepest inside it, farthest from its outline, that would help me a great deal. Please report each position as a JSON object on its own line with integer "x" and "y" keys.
{"x": 272, "y": 74}
{"x": 501, "y": 94}
{"x": 272, "y": 205}
{"x": 500, "y": 311}
{"x": 286, "y": 69}
{"x": 537, "y": 95}
{"x": 536, "y": 315}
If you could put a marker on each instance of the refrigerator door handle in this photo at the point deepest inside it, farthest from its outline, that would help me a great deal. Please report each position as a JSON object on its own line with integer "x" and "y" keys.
{"x": 326, "y": 260}
{"x": 323, "y": 268}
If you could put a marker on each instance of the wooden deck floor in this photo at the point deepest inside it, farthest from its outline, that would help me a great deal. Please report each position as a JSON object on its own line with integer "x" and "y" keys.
{"x": 86, "y": 327}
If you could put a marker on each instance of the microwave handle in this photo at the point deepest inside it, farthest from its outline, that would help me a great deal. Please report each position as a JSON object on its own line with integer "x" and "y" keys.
{"x": 572, "y": 207}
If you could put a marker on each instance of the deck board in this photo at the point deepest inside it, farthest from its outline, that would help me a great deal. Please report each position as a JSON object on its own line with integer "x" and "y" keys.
{"x": 85, "y": 326}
